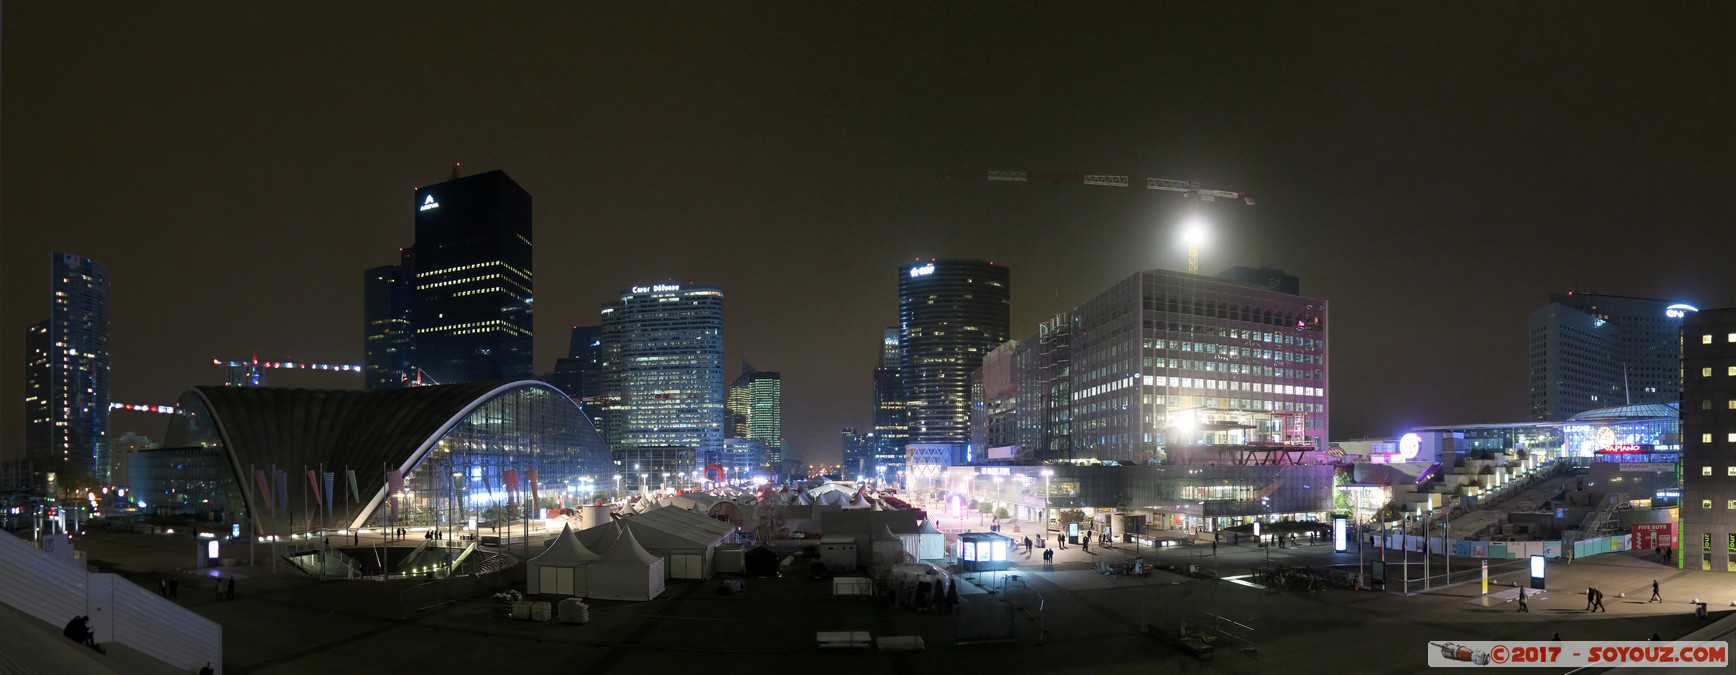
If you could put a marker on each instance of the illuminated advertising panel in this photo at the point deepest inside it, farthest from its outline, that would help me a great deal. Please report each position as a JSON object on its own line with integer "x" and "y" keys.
{"x": 1340, "y": 533}
{"x": 1537, "y": 572}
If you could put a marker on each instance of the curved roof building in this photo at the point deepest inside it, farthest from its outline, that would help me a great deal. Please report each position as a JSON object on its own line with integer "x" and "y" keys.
{"x": 463, "y": 450}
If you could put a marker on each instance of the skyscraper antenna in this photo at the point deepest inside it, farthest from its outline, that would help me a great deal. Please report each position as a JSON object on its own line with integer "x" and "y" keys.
{"x": 455, "y": 166}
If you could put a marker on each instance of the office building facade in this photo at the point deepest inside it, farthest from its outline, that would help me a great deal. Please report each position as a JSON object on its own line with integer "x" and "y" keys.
{"x": 579, "y": 373}
{"x": 1164, "y": 360}
{"x": 663, "y": 349}
{"x": 389, "y": 324}
{"x": 473, "y": 280}
{"x": 1591, "y": 351}
{"x": 1708, "y": 423}
{"x": 756, "y": 409}
{"x": 38, "y": 381}
{"x": 951, "y": 314}
{"x": 77, "y": 375}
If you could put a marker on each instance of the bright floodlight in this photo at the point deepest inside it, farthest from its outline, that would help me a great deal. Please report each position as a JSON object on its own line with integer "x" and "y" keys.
{"x": 1193, "y": 233}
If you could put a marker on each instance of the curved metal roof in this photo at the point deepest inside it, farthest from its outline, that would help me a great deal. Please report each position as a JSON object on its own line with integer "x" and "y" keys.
{"x": 297, "y": 429}
{"x": 1635, "y": 411}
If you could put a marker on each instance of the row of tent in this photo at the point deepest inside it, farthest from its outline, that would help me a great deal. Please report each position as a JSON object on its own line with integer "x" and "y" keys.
{"x": 657, "y": 545}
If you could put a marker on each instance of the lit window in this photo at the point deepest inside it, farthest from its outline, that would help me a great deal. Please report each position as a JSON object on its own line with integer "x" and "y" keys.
{"x": 1730, "y": 471}
{"x": 1706, "y": 339}
{"x": 1731, "y": 404}
{"x": 1731, "y": 372}
{"x": 1730, "y": 438}
{"x": 1705, "y": 438}
{"x": 1706, "y": 470}
{"x": 1705, "y": 372}
{"x": 1730, "y": 338}
{"x": 1706, "y": 404}
{"x": 1730, "y": 505}
{"x": 1706, "y": 504}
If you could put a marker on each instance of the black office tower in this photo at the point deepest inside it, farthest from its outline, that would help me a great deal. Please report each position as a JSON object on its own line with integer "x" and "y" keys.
{"x": 473, "y": 280}
{"x": 388, "y": 324}
{"x": 951, "y": 313}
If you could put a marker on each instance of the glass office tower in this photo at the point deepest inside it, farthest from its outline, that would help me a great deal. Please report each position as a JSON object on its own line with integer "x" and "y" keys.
{"x": 951, "y": 314}
{"x": 473, "y": 279}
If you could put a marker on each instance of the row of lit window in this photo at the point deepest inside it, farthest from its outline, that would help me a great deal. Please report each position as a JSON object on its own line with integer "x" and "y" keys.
{"x": 460, "y": 268}
{"x": 1706, "y": 504}
{"x": 1707, "y": 372}
{"x": 474, "y": 324}
{"x": 1707, "y": 404}
{"x": 1706, "y": 339}
{"x": 1729, "y": 471}
{"x": 1707, "y": 438}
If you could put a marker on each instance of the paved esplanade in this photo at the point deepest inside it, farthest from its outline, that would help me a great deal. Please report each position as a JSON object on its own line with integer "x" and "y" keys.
{"x": 287, "y": 623}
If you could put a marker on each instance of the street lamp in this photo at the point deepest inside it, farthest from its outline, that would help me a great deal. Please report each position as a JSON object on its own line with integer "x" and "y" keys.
{"x": 617, "y": 486}
{"x": 1194, "y": 234}
{"x": 1047, "y": 474}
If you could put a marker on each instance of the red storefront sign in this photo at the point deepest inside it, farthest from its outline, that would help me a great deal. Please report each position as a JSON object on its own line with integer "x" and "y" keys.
{"x": 1653, "y": 535}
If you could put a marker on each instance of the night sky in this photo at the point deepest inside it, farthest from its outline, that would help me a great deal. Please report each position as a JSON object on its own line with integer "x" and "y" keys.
{"x": 1433, "y": 171}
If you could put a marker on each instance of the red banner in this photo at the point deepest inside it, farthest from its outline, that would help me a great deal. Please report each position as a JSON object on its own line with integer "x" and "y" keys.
{"x": 313, "y": 479}
{"x": 530, "y": 476}
{"x": 1653, "y": 535}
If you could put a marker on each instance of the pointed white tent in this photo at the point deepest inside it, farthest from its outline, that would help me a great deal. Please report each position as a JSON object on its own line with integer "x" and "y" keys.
{"x": 931, "y": 542}
{"x": 560, "y": 569}
{"x": 625, "y": 571}
{"x": 888, "y": 548}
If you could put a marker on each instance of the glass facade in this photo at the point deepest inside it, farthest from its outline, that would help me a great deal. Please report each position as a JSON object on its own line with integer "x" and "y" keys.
{"x": 951, "y": 314}
{"x": 463, "y": 475}
{"x": 78, "y": 368}
{"x": 663, "y": 348}
{"x": 388, "y": 316}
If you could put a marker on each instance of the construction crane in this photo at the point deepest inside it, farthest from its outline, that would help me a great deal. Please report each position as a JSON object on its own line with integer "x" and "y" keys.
{"x": 1189, "y": 189}
{"x": 135, "y": 407}
{"x": 251, "y": 373}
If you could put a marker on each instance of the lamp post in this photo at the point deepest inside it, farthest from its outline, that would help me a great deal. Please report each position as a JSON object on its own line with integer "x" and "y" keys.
{"x": 1047, "y": 474}
{"x": 452, "y": 512}
{"x": 1404, "y": 543}
{"x": 617, "y": 486}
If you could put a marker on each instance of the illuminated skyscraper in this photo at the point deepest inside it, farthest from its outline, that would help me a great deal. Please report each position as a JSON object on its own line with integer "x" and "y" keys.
{"x": 77, "y": 369}
{"x": 951, "y": 313}
{"x": 756, "y": 409}
{"x": 38, "y": 381}
{"x": 663, "y": 347}
{"x": 473, "y": 279}
{"x": 1591, "y": 351}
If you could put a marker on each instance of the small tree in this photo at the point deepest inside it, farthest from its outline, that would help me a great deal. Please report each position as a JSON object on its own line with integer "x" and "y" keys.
{"x": 1001, "y": 513}
{"x": 985, "y": 506}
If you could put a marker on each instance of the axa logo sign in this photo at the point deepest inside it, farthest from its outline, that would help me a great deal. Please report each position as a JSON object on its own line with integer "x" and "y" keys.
{"x": 429, "y": 203}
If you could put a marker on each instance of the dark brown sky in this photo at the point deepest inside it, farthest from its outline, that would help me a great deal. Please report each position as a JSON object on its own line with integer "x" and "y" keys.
{"x": 1432, "y": 171}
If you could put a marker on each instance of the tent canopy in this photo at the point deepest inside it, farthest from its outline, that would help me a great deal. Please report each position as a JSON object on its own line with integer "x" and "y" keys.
{"x": 566, "y": 549}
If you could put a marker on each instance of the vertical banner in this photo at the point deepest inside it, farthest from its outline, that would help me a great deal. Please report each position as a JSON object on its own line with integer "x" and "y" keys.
{"x": 329, "y": 479}
{"x": 531, "y": 477}
{"x": 313, "y": 479}
{"x": 394, "y": 485}
{"x": 511, "y": 480}
{"x": 283, "y": 491}
{"x": 355, "y": 492}
{"x": 264, "y": 489}
{"x": 1485, "y": 576}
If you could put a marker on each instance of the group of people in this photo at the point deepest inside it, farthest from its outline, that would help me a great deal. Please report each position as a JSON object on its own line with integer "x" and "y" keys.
{"x": 1594, "y": 600}
{"x": 225, "y": 588}
{"x": 170, "y": 588}
{"x": 1663, "y": 553}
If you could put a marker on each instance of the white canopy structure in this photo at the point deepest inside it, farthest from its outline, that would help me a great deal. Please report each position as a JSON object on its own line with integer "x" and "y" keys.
{"x": 930, "y": 542}
{"x": 888, "y": 548}
{"x": 626, "y": 571}
{"x": 561, "y": 568}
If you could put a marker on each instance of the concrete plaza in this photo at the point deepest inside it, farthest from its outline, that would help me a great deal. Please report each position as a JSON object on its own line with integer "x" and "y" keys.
{"x": 1089, "y": 622}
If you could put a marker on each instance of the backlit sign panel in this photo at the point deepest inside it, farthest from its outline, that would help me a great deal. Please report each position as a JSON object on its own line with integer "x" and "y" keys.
{"x": 1340, "y": 533}
{"x": 922, "y": 271}
{"x": 1679, "y": 310}
{"x": 429, "y": 203}
{"x": 1537, "y": 572}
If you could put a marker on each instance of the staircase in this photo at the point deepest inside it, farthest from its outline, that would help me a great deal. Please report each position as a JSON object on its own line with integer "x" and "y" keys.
{"x": 1596, "y": 520}
{"x": 54, "y": 590}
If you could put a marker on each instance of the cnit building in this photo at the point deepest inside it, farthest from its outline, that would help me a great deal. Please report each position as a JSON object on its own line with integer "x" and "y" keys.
{"x": 1203, "y": 401}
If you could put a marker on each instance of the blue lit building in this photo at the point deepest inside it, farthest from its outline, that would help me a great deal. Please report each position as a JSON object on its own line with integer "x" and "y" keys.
{"x": 249, "y": 452}
{"x": 69, "y": 422}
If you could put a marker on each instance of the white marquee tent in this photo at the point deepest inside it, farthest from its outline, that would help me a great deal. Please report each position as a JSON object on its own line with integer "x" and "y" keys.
{"x": 561, "y": 568}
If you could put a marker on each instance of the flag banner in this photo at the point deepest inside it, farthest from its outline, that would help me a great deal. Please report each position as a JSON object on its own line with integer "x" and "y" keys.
{"x": 283, "y": 491}
{"x": 313, "y": 479}
{"x": 329, "y": 479}
{"x": 355, "y": 492}
{"x": 511, "y": 480}
{"x": 530, "y": 476}
{"x": 264, "y": 496}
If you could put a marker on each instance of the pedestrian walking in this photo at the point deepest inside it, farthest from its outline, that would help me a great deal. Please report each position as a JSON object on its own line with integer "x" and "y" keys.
{"x": 1655, "y": 596}
{"x": 1085, "y": 544}
{"x": 1522, "y": 606}
{"x": 1598, "y": 607}
{"x": 231, "y": 594}
{"x": 1214, "y": 548}
{"x": 174, "y": 588}
{"x": 1590, "y": 597}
